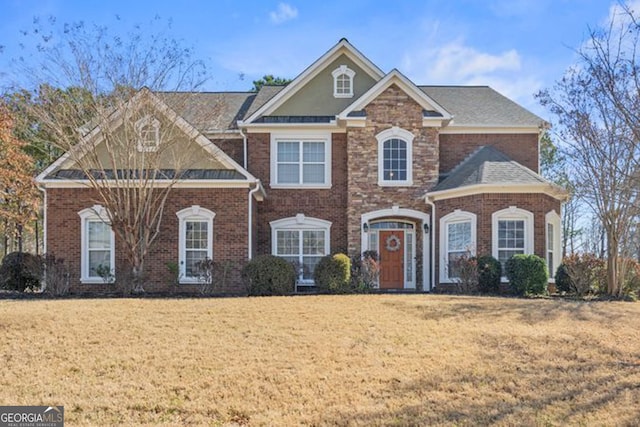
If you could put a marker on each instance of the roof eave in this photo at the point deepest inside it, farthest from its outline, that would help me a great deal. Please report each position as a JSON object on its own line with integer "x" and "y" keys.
{"x": 469, "y": 190}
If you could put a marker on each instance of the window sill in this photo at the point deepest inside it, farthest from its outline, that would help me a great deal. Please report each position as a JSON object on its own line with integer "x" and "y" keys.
{"x": 343, "y": 95}
{"x": 189, "y": 282}
{"x": 300, "y": 187}
{"x": 395, "y": 183}
{"x": 94, "y": 281}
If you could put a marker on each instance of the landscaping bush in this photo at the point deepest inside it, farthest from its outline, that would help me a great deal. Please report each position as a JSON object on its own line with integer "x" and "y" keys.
{"x": 56, "y": 276}
{"x": 631, "y": 285}
{"x": 587, "y": 273}
{"x": 466, "y": 269}
{"x": 212, "y": 276}
{"x": 21, "y": 271}
{"x": 269, "y": 275}
{"x": 563, "y": 281}
{"x": 489, "y": 274}
{"x": 333, "y": 274}
{"x": 527, "y": 274}
{"x": 365, "y": 270}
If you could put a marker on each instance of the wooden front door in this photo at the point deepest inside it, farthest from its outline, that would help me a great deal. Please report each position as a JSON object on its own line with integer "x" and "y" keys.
{"x": 391, "y": 259}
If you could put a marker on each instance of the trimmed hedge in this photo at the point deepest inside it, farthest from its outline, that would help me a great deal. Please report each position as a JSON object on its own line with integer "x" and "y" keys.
{"x": 527, "y": 274}
{"x": 269, "y": 275}
{"x": 21, "y": 271}
{"x": 489, "y": 274}
{"x": 333, "y": 274}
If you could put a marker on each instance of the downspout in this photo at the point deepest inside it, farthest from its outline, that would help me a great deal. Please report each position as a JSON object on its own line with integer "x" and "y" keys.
{"x": 244, "y": 149}
{"x": 433, "y": 242}
{"x": 250, "y": 224}
{"x": 44, "y": 220}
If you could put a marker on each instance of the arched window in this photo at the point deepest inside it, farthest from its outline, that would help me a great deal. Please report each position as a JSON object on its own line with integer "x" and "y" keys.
{"x": 395, "y": 154}
{"x": 457, "y": 238}
{"x": 148, "y": 132}
{"x": 196, "y": 240}
{"x": 97, "y": 256}
{"x": 512, "y": 233}
{"x": 343, "y": 82}
{"x": 303, "y": 241}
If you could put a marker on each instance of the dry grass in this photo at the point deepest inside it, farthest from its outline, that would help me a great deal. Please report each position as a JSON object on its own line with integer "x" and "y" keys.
{"x": 345, "y": 360}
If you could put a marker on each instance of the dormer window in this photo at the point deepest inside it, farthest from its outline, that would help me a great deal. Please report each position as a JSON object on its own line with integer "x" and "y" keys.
{"x": 343, "y": 82}
{"x": 148, "y": 133}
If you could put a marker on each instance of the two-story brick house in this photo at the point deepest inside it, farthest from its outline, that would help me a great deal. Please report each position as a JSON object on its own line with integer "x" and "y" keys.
{"x": 345, "y": 158}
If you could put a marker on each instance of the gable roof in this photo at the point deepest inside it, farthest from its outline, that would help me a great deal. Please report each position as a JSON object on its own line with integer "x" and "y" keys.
{"x": 431, "y": 107}
{"x": 342, "y": 47}
{"x": 489, "y": 168}
{"x": 481, "y": 106}
{"x": 93, "y": 138}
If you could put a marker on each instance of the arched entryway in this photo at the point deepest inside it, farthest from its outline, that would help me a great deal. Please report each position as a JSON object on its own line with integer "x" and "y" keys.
{"x": 401, "y": 239}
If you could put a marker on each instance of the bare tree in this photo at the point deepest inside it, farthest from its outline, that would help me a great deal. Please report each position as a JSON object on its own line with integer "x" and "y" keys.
{"x": 113, "y": 104}
{"x": 597, "y": 104}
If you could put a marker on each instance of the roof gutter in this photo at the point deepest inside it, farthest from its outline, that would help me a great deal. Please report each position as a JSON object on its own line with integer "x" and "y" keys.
{"x": 244, "y": 148}
{"x": 433, "y": 242}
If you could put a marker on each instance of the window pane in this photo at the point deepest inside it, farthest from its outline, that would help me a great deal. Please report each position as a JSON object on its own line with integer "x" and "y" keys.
{"x": 459, "y": 236}
{"x": 550, "y": 237}
{"x": 313, "y": 152}
{"x": 192, "y": 257}
{"x": 394, "y": 160}
{"x": 288, "y": 174}
{"x": 313, "y": 174}
{"x": 288, "y": 242}
{"x": 313, "y": 242}
{"x": 288, "y": 151}
{"x": 409, "y": 263}
{"x": 97, "y": 259}
{"x": 308, "y": 266}
{"x": 99, "y": 235}
{"x": 511, "y": 234}
{"x": 197, "y": 235}
{"x": 452, "y": 263}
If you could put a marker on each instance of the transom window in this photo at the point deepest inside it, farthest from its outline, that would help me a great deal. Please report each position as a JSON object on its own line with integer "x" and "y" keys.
{"x": 457, "y": 239}
{"x": 343, "y": 82}
{"x": 196, "y": 240}
{"x": 395, "y": 157}
{"x": 97, "y": 246}
{"x": 512, "y": 233}
{"x": 148, "y": 133}
{"x": 301, "y": 162}
{"x": 303, "y": 242}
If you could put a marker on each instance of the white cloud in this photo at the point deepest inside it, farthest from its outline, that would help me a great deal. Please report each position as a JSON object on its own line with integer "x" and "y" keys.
{"x": 285, "y": 12}
{"x": 459, "y": 64}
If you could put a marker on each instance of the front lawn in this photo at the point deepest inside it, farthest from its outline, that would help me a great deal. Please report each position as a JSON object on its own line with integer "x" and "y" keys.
{"x": 346, "y": 360}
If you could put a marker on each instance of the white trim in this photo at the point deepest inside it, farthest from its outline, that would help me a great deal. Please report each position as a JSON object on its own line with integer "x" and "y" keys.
{"x": 185, "y": 183}
{"x": 553, "y": 218}
{"x": 469, "y": 190}
{"x": 332, "y": 127}
{"x": 193, "y": 213}
{"x": 301, "y": 223}
{"x": 454, "y": 217}
{"x": 395, "y": 77}
{"x": 454, "y": 129}
{"x": 342, "y": 47}
{"x": 513, "y": 213}
{"x": 301, "y": 137}
{"x": 401, "y": 134}
{"x": 398, "y": 212}
{"x": 94, "y": 213}
{"x": 341, "y": 71}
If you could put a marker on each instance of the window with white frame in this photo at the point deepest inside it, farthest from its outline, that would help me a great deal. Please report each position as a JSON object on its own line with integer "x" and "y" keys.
{"x": 302, "y": 241}
{"x": 512, "y": 233}
{"x": 195, "y": 240}
{"x": 457, "y": 239}
{"x": 301, "y": 161}
{"x": 343, "y": 82}
{"x": 553, "y": 244}
{"x": 148, "y": 133}
{"x": 395, "y": 157}
{"x": 97, "y": 256}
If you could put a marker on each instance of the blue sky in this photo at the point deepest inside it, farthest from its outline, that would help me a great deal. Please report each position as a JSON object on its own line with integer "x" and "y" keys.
{"x": 515, "y": 46}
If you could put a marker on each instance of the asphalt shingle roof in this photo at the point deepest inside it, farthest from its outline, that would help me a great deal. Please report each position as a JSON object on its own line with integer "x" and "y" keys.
{"x": 488, "y": 166}
{"x": 480, "y": 106}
